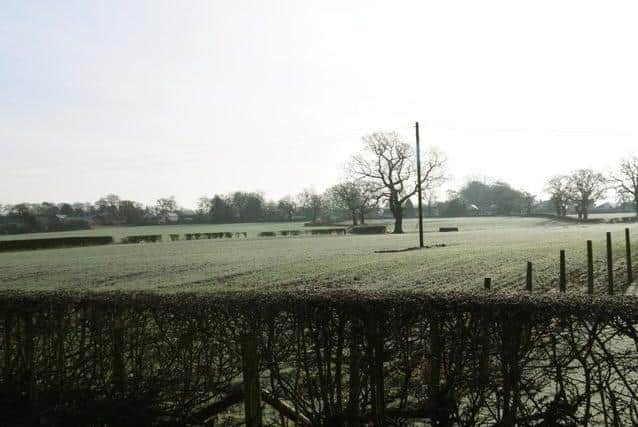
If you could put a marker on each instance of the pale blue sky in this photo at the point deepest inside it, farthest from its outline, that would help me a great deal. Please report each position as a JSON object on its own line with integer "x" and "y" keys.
{"x": 157, "y": 98}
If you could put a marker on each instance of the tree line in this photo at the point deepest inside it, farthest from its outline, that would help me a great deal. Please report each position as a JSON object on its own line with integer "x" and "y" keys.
{"x": 382, "y": 177}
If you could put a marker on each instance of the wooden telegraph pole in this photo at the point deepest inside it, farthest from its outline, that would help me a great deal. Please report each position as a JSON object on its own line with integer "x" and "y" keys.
{"x": 418, "y": 177}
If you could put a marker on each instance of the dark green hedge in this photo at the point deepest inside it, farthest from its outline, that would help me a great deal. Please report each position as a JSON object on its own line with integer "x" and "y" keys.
{"x": 369, "y": 229}
{"x": 153, "y": 238}
{"x": 54, "y": 242}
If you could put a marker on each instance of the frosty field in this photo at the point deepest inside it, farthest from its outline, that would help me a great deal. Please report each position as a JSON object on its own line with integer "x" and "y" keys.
{"x": 493, "y": 247}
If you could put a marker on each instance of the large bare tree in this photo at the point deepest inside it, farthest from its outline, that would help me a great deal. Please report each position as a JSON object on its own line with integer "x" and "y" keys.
{"x": 561, "y": 193}
{"x": 587, "y": 186}
{"x": 389, "y": 164}
{"x": 626, "y": 180}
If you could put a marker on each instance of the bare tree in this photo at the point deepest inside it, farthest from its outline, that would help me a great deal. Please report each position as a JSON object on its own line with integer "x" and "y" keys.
{"x": 286, "y": 207}
{"x": 346, "y": 196}
{"x": 357, "y": 197}
{"x": 527, "y": 202}
{"x": 311, "y": 203}
{"x": 390, "y": 165}
{"x": 626, "y": 180}
{"x": 204, "y": 206}
{"x": 166, "y": 206}
{"x": 561, "y": 193}
{"x": 587, "y": 186}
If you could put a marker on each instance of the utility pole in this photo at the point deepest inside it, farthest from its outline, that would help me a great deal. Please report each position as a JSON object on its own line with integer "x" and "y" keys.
{"x": 418, "y": 177}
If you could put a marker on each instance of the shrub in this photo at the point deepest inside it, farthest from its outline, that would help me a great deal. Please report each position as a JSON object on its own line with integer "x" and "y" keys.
{"x": 55, "y": 242}
{"x": 369, "y": 229}
{"x": 328, "y": 231}
{"x": 290, "y": 232}
{"x": 174, "y": 237}
{"x": 152, "y": 238}
{"x": 267, "y": 234}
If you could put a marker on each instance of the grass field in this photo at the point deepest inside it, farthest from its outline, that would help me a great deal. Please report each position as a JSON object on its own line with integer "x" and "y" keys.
{"x": 485, "y": 247}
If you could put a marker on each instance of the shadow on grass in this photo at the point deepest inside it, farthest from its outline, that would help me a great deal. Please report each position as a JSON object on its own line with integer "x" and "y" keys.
{"x": 415, "y": 248}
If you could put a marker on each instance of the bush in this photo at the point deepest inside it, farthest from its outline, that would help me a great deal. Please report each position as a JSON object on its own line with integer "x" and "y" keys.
{"x": 55, "y": 242}
{"x": 369, "y": 229}
{"x": 174, "y": 237}
{"x": 290, "y": 232}
{"x": 328, "y": 231}
{"x": 267, "y": 234}
{"x": 152, "y": 238}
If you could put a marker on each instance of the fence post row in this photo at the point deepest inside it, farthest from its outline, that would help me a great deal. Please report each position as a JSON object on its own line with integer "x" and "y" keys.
{"x": 610, "y": 266}
{"x": 630, "y": 271}
{"x": 590, "y": 268}
{"x": 563, "y": 275}
{"x": 250, "y": 373}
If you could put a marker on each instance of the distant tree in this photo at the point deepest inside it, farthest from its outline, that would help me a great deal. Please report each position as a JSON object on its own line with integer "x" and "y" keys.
{"x": 453, "y": 207}
{"x": 247, "y": 207}
{"x": 220, "y": 210}
{"x": 528, "y": 201}
{"x": 166, "y": 205}
{"x": 498, "y": 195}
{"x": 287, "y": 207}
{"x": 587, "y": 187}
{"x": 24, "y": 213}
{"x": 561, "y": 193}
{"x": 311, "y": 203}
{"x": 204, "y": 206}
{"x": 390, "y": 164}
{"x": 65, "y": 209}
{"x": 131, "y": 212}
{"x": 625, "y": 181}
{"x": 108, "y": 208}
{"x": 346, "y": 196}
{"x": 478, "y": 193}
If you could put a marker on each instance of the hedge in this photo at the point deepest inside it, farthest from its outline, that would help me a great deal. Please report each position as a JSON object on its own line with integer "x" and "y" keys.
{"x": 54, "y": 242}
{"x": 448, "y": 229}
{"x": 369, "y": 229}
{"x": 152, "y": 238}
{"x": 317, "y": 358}
{"x": 328, "y": 231}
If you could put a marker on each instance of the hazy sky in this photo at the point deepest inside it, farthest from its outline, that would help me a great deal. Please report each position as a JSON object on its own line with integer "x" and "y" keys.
{"x": 185, "y": 98}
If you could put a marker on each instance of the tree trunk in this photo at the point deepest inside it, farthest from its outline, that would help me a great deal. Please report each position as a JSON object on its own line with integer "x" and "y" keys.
{"x": 354, "y": 217}
{"x": 584, "y": 209}
{"x": 362, "y": 217}
{"x": 398, "y": 221}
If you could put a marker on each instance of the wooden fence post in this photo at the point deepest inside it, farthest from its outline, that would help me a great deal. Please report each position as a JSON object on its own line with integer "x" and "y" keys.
{"x": 250, "y": 373}
{"x": 528, "y": 284}
{"x": 590, "y": 268}
{"x": 376, "y": 346}
{"x": 487, "y": 284}
{"x": 610, "y": 266}
{"x": 563, "y": 275}
{"x": 630, "y": 271}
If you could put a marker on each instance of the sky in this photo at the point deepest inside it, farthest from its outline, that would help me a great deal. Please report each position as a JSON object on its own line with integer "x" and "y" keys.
{"x": 148, "y": 99}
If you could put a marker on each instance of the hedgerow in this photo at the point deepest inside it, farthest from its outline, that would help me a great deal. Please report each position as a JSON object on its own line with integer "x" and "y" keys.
{"x": 55, "y": 242}
{"x": 451, "y": 358}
